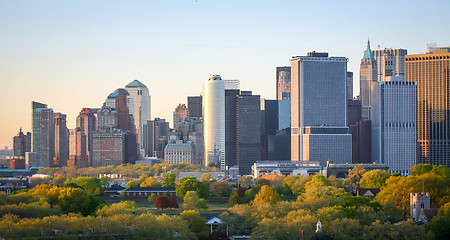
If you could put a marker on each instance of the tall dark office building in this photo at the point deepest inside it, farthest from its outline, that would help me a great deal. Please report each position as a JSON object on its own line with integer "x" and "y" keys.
{"x": 21, "y": 143}
{"x": 361, "y": 142}
{"x": 248, "y": 131}
{"x": 283, "y": 83}
{"x": 195, "y": 106}
{"x": 43, "y": 137}
{"x": 155, "y": 137}
{"x": 431, "y": 72}
{"x": 61, "y": 140}
{"x": 87, "y": 124}
{"x": 231, "y": 96}
{"x": 353, "y": 111}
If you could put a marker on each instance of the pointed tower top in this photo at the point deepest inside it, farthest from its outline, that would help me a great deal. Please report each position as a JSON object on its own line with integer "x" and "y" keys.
{"x": 368, "y": 55}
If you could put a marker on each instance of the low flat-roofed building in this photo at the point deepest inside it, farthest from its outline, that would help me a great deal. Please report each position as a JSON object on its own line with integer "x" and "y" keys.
{"x": 198, "y": 175}
{"x": 148, "y": 191}
{"x": 341, "y": 170}
{"x": 285, "y": 168}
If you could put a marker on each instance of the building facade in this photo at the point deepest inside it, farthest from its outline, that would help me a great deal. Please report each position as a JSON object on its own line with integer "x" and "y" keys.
{"x": 87, "y": 124}
{"x": 142, "y": 106}
{"x": 283, "y": 83}
{"x": 430, "y": 71}
{"x": 367, "y": 79}
{"x": 248, "y": 134}
{"x": 214, "y": 121}
{"x": 394, "y": 121}
{"x": 195, "y": 106}
{"x": 43, "y": 136}
{"x": 319, "y": 130}
{"x": 61, "y": 140}
{"x": 349, "y": 85}
{"x": 180, "y": 114}
{"x": 390, "y": 63}
{"x": 21, "y": 143}
{"x": 175, "y": 153}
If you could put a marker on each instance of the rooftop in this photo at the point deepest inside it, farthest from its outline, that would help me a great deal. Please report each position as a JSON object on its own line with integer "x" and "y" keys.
{"x": 134, "y": 84}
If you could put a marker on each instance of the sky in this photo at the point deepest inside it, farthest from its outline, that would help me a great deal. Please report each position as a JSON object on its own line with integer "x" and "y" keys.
{"x": 72, "y": 54}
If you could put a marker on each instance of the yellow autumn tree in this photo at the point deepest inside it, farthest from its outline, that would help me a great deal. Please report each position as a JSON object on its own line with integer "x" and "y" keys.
{"x": 267, "y": 194}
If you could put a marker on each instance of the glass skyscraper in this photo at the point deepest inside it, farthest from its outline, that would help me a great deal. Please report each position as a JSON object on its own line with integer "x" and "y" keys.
{"x": 319, "y": 130}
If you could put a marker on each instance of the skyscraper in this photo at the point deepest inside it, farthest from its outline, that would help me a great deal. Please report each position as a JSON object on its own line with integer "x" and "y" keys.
{"x": 180, "y": 114}
{"x": 43, "y": 136}
{"x": 21, "y": 143}
{"x": 367, "y": 78}
{"x": 390, "y": 62}
{"x": 349, "y": 85}
{"x": 195, "y": 106}
{"x": 142, "y": 106}
{"x": 87, "y": 124}
{"x": 394, "y": 118}
{"x": 430, "y": 71}
{"x": 155, "y": 134}
{"x": 61, "y": 140}
{"x": 214, "y": 121}
{"x": 248, "y": 131}
{"x": 319, "y": 130}
{"x": 231, "y": 96}
{"x": 283, "y": 83}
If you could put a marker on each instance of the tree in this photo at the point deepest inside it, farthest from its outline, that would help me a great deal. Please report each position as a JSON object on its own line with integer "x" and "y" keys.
{"x": 196, "y": 223}
{"x": 355, "y": 174}
{"x": 125, "y": 207}
{"x": 172, "y": 203}
{"x": 220, "y": 189}
{"x": 191, "y": 200}
{"x": 59, "y": 180}
{"x": 132, "y": 183}
{"x": 317, "y": 179}
{"x": 245, "y": 181}
{"x": 105, "y": 182}
{"x": 267, "y": 194}
{"x": 142, "y": 178}
{"x": 90, "y": 184}
{"x": 206, "y": 177}
{"x": 374, "y": 179}
{"x": 150, "y": 182}
{"x": 439, "y": 224}
{"x": 169, "y": 180}
{"x": 192, "y": 184}
{"x": 420, "y": 169}
{"x": 152, "y": 198}
{"x": 161, "y": 202}
{"x": 74, "y": 200}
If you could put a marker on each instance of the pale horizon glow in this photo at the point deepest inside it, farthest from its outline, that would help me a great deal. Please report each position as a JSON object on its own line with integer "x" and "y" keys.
{"x": 72, "y": 54}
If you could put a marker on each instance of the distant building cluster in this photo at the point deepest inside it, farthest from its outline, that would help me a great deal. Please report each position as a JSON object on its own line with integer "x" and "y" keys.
{"x": 400, "y": 118}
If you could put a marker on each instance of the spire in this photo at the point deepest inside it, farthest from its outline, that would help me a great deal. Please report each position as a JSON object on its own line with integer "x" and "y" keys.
{"x": 368, "y": 55}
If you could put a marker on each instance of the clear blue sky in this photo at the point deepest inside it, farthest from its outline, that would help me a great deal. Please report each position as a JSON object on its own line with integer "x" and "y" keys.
{"x": 72, "y": 54}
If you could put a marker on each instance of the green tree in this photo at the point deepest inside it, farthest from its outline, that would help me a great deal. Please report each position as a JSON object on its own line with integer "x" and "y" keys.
{"x": 152, "y": 198}
{"x": 132, "y": 183}
{"x": 90, "y": 184}
{"x": 191, "y": 200}
{"x": 74, "y": 200}
{"x": 267, "y": 194}
{"x": 125, "y": 207}
{"x": 220, "y": 189}
{"x": 192, "y": 184}
{"x": 374, "y": 179}
{"x": 169, "y": 180}
{"x": 59, "y": 180}
{"x": 105, "y": 182}
{"x": 245, "y": 181}
{"x": 420, "y": 169}
{"x": 196, "y": 223}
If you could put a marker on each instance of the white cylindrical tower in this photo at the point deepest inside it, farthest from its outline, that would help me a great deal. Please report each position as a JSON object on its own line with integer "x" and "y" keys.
{"x": 214, "y": 121}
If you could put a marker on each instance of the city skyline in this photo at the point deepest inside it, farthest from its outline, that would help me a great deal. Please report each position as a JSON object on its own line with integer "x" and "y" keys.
{"x": 72, "y": 55}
